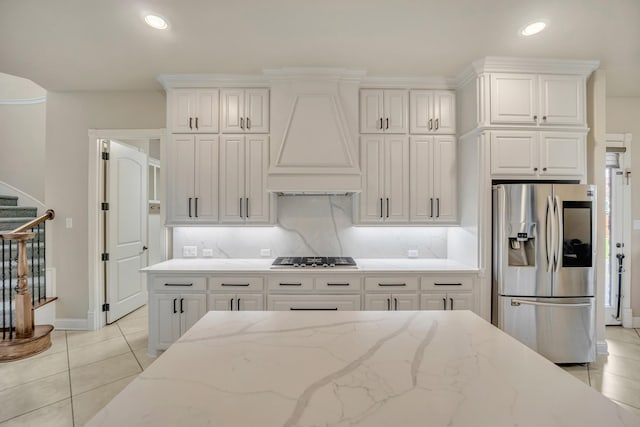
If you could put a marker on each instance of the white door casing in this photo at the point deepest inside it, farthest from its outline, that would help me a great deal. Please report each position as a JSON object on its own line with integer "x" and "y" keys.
{"x": 126, "y": 230}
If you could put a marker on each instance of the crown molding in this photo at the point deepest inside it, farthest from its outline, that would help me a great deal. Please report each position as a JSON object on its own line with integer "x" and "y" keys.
{"x": 314, "y": 73}
{"x": 410, "y": 82}
{"x": 25, "y": 101}
{"x": 174, "y": 81}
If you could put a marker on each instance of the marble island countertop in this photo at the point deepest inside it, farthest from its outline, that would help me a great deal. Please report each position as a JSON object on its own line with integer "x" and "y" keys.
{"x": 362, "y": 368}
{"x": 241, "y": 265}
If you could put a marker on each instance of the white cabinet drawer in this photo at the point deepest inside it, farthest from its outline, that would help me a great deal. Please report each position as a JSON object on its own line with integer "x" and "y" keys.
{"x": 179, "y": 283}
{"x": 290, "y": 284}
{"x": 313, "y": 302}
{"x": 338, "y": 284}
{"x": 446, "y": 283}
{"x": 236, "y": 284}
{"x": 391, "y": 284}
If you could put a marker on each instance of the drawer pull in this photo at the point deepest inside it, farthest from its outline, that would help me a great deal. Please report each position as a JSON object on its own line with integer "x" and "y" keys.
{"x": 448, "y": 284}
{"x": 313, "y": 309}
{"x": 235, "y": 284}
{"x": 392, "y": 284}
{"x": 290, "y": 284}
{"x": 179, "y": 284}
{"x": 338, "y": 284}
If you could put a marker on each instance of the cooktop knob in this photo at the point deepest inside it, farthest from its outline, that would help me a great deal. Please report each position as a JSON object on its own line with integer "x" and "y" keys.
{"x": 325, "y": 265}
{"x": 314, "y": 265}
{"x": 332, "y": 265}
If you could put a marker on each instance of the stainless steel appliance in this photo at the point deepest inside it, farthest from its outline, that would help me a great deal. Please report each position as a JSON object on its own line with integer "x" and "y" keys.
{"x": 314, "y": 261}
{"x": 543, "y": 268}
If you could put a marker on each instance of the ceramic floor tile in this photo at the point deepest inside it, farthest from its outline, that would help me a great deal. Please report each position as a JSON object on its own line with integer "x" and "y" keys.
{"x": 631, "y": 409}
{"x": 143, "y": 358}
{"x": 58, "y": 343}
{"x": 624, "y": 349}
{"x": 87, "y": 404}
{"x": 55, "y": 415}
{"x": 99, "y": 351}
{"x": 23, "y": 371}
{"x": 137, "y": 340}
{"x": 581, "y": 372}
{"x": 88, "y": 377}
{"x": 34, "y": 395}
{"x": 77, "y": 339}
{"x": 130, "y": 326}
{"x": 142, "y": 312}
{"x": 622, "y": 334}
{"x": 617, "y": 365}
{"x": 617, "y": 388}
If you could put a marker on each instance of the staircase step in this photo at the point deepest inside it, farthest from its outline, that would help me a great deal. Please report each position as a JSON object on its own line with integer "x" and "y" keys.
{"x": 20, "y": 348}
{"x": 17, "y": 212}
{"x": 8, "y": 224}
{"x": 8, "y": 201}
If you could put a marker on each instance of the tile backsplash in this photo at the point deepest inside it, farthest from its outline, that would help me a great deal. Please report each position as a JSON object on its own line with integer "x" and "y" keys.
{"x": 313, "y": 225}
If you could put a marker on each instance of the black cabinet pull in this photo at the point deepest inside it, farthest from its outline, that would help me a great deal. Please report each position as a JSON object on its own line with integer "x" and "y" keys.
{"x": 196, "y": 207}
{"x": 234, "y": 284}
{"x": 431, "y": 209}
{"x": 190, "y": 120}
{"x": 174, "y": 306}
{"x": 231, "y": 304}
{"x": 444, "y": 303}
{"x": 313, "y": 309}
{"x": 430, "y": 124}
{"x": 179, "y": 284}
{"x": 241, "y": 123}
{"x": 290, "y": 284}
{"x": 447, "y": 284}
{"x": 238, "y": 304}
{"x": 189, "y": 207}
{"x": 246, "y": 207}
{"x": 337, "y": 284}
{"x": 387, "y": 207}
{"x": 387, "y": 122}
{"x": 392, "y": 284}
{"x": 437, "y": 123}
{"x": 381, "y": 127}
{"x": 388, "y": 304}
{"x": 395, "y": 303}
{"x": 240, "y": 207}
{"x": 381, "y": 208}
{"x": 438, "y": 207}
{"x": 248, "y": 123}
{"x": 451, "y": 300}
{"x": 181, "y": 301}
{"x": 196, "y": 123}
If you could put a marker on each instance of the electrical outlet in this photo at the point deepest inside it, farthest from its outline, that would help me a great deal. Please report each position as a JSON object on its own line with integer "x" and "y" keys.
{"x": 189, "y": 251}
{"x": 207, "y": 252}
{"x": 265, "y": 252}
{"x": 69, "y": 222}
{"x": 412, "y": 253}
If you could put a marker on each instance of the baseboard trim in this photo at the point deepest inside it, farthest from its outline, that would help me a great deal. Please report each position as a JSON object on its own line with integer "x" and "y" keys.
{"x": 602, "y": 349}
{"x": 72, "y": 324}
{"x": 635, "y": 323}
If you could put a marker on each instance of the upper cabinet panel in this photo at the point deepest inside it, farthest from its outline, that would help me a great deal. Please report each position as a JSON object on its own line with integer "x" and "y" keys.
{"x": 384, "y": 111}
{"x": 245, "y": 110}
{"x": 432, "y": 112}
{"x": 513, "y": 99}
{"x": 562, "y": 100}
{"x": 193, "y": 110}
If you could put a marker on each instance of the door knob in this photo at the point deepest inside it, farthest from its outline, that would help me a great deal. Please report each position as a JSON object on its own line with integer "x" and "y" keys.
{"x": 144, "y": 248}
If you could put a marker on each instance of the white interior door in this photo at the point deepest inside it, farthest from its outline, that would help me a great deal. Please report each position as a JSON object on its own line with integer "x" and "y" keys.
{"x": 126, "y": 225}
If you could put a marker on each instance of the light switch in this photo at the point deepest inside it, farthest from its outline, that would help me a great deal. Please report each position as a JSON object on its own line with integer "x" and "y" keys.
{"x": 189, "y": 251}
{"x": 69, "y": 222}
{"x": 412, "y": 253}
{"x": 265, "y": 252}
{"x": 207, "y": 252}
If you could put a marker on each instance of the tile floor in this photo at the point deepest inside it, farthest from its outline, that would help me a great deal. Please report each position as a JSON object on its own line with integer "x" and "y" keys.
{"x": 82, "y": 371}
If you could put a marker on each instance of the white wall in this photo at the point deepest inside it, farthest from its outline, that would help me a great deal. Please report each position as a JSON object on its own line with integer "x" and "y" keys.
{"x": 22, "y": 134}
{"x": 623, "y": 115}
{"x": 69, "y": 117}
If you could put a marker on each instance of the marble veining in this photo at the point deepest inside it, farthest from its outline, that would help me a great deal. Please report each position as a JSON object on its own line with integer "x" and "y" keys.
{"x": 355, "y": 369}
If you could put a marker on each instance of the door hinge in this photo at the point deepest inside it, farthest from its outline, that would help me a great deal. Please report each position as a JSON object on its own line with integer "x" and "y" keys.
{"x": 105, "y": 257}
{"x": 105, "y": 155}
{"x": 104, "y": 206}
{"x": 105, "y": 307}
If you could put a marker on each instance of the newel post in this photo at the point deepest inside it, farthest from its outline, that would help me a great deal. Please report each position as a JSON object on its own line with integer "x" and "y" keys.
{"x": 24, "y": 308}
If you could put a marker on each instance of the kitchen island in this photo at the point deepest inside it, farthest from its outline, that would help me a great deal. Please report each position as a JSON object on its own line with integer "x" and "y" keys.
{"x": 367, "y": 368}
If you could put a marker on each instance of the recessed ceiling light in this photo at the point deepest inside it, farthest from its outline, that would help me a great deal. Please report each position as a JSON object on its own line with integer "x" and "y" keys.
{"x": 156, "y": 21}
{"x": 533, "y": 28}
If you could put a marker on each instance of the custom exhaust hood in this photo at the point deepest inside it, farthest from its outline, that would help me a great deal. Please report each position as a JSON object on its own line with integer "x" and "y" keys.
{"x": 314, "y": 131}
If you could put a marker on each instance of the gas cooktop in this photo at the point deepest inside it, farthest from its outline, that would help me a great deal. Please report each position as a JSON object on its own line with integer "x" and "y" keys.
{"x": 314, "y": 261}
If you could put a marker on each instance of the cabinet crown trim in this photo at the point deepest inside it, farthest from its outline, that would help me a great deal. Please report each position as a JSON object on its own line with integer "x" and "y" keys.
{"x": 179, "y": 81}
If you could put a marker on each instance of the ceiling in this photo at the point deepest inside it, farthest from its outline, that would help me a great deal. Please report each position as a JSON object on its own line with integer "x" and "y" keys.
{"x": 68, "y": 45}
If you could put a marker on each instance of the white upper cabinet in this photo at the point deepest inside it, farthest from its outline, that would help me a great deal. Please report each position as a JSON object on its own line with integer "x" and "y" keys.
{"x": 433, "y": 179}
{"x": 193, "y": 179}
{"x": 538, "y": 100}
{"x": 432, "y": 112}
{"x": 385, "y": 182}
{"x": 243, "y": 169}
{"x": 245, "y": 110}
{"x": 562, "y": 154}
{"x": 193, "y": 110}
{"x": 384, "y": 111}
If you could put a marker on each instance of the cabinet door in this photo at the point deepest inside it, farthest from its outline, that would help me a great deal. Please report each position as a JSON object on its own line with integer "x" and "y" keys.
{"x": 183, "y": 110}
{"x": 194, "y": 306}
{"x": 181, "y": 185}
{"x": 232, "y": 111}
{"x": 206, "y": 117}
{"x": 377, "y": 302}
{"x": 421, "y": 111}
{"x": 221, "y": 302}
{"x": 250, "y": 302}
{"x": 460, "y": 300}
{"x": 444, "y": 106}
{"x": 434, "y": 301}
{"x": 232, "y": 174}
{"x": 205, "y": 204}
{"x": 562, "y": 100}
{"x": 444, "y": 178}
{"x": 168, "y": 319}
{"x": 371, "y": 111}
{"x": 562, "y": 154}
{"x": 256, "y": 203}
{"x": 256, "y": 109}
{"x": 422, "y": 206}
{"x": 514, "y": 98}
{"x": 396, "y": 176}
{"x": 402, "y": 302}
{"x": 514, "y": 153}
{"x": 396, "y": 111}
{"x": 371, "y": 198}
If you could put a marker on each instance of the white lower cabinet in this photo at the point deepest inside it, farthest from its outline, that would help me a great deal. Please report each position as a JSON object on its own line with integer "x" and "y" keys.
{"x": 313, "y": 302}
{"x": 391, "y": 302}
{"x": 175, "y": 314}
{"x": 447, "y": 301}
{"x": 235, "y": 302}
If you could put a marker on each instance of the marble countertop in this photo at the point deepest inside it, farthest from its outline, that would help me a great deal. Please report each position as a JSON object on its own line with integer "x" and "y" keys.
{"x": 360, "y": 368}
{"x": 405, "y": 265}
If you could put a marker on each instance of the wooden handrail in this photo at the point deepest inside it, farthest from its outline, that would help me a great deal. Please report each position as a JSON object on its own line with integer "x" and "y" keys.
{"x": 49, "y": 214}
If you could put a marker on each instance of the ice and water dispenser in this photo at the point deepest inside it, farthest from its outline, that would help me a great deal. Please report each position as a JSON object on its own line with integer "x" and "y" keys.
{"x": 522, "y": 245}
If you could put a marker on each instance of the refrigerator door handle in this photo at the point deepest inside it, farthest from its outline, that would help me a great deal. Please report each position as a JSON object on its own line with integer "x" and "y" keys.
{"x": 550, "y": 235}
{"x": 560, "y": 226}
{"x": 518, "y": 302}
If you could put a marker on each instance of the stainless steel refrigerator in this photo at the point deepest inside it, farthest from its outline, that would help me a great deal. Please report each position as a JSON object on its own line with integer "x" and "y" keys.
{"x": 543, "y": 268}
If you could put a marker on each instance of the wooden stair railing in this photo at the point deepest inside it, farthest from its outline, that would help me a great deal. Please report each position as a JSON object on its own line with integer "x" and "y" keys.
{"x": 28, "y": 339}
